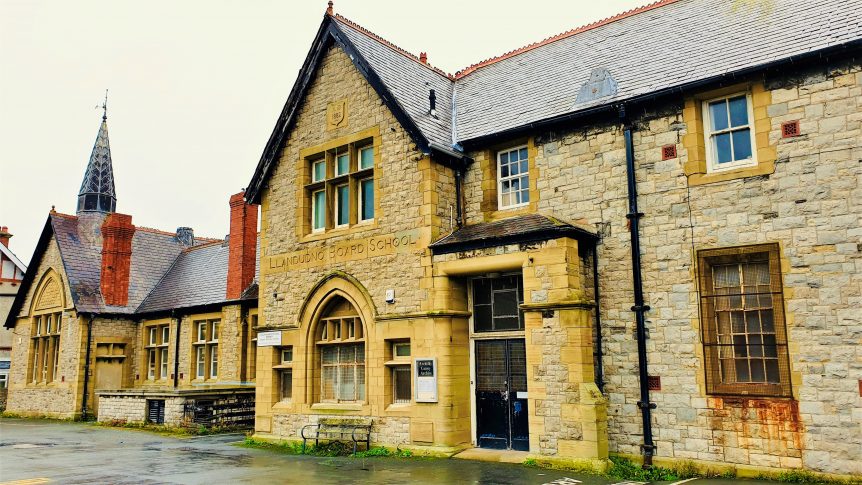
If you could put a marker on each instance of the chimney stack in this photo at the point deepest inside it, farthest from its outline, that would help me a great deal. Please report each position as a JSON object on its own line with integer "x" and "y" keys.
{"x": 186, "y": 236}
{"x": 4, "y": 236}
{"x": 117, "y": 233}
{"x": 242, "y": 245}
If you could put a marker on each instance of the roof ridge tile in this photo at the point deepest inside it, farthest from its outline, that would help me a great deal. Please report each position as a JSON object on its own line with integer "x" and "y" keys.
{"x": 564, "y": 35}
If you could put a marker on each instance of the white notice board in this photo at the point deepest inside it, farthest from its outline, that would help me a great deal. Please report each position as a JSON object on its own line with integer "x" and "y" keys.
{"x": 425, "y": 379}
{"x": 269, "y": 339}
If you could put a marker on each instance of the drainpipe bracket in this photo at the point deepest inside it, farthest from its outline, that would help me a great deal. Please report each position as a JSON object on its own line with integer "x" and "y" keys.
{"x": 640, "y": 308}
{"x": 634, "y": 215}
{"x": 644, "y": 405}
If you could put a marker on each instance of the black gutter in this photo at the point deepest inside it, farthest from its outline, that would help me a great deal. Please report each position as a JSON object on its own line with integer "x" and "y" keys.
{"x": 730, "y": 77}
{"x": 177, "y": 348}
{"x": 600, "y": 371}
{"x": 84, "y": 408}
{"x": 639, "y": 308}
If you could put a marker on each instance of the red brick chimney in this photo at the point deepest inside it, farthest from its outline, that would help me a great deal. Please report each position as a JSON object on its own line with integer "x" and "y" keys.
{"x": 117, "y": 233}
{"x": 242, "y": 245}
{"x": 4, "y": 236}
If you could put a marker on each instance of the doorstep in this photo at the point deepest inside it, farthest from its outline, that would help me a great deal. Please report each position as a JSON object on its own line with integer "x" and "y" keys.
{"x": 488, "y": 454}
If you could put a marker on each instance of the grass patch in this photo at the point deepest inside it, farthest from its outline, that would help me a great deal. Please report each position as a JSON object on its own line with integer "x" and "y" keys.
{"x": 803, "y": 476}
{"x": 624, "y": 469}
{"x": 14, "y": 415}
{"x": 329, "y": 449}
{"x": 176, "y": 431}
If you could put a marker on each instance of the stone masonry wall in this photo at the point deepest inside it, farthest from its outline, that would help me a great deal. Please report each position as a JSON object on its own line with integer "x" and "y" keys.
{"x": 398, "y": 175}
{"x": 391, "y": 431}
{"x": 58, "y": 398}
{"x": 811, "y": 205}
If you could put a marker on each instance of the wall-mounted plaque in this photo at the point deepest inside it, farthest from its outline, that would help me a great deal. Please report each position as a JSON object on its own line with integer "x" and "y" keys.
{"x": 269, "y": 339}
{"x": 425, "y": 375}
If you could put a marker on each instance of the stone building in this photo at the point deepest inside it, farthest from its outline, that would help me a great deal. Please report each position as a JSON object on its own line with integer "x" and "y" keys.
{"x": 11, "y": 274}
{"x": 641, "y": 236}
{"x": 132, "y": 323}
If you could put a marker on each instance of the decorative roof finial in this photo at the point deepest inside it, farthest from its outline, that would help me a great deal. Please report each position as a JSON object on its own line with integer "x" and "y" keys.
{"x": 329, "y": 8}
{"x": 104, "y": 107}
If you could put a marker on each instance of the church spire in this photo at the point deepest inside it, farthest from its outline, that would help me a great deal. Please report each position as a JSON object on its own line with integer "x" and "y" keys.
{"x": 97, "y": 190}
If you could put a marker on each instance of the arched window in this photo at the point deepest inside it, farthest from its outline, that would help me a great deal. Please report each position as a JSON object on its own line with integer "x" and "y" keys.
{"x": 45, "y": 331}
{"x": 340, "y": 344}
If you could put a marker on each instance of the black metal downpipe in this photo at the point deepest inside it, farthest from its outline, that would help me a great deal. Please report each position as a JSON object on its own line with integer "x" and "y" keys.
{"x": 177, "y": 349}
{"x": 639, "y": 307}
{"x": 84, "y": 407}
{"x": 459, "y": 219}
{"x": 600, "y": 370}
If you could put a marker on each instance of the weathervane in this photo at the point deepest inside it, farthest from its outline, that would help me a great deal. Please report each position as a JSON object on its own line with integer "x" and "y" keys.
{"x": 104, "y": 107}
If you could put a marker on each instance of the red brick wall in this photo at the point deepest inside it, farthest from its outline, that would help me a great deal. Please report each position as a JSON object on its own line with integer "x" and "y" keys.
{"x": 243, "y": 245}
{"x": 117, "y": 233}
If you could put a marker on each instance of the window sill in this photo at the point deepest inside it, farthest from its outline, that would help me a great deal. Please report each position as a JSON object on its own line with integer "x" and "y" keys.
{"x": 399, "y": 408}
{"x": 334, "y": 406}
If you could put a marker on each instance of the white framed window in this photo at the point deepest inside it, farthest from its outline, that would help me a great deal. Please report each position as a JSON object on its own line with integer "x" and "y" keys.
{"x": 163, "y": 361}
{"x": 366, "y": 199}
{"x": 729, "y": 131}
{"x": 366, "y": 157}
{"x": 318, "y": 211}
{"x": 318, "y": 170}
{"x": 201, "y": 360}
{"x": 287, "y": 355}
{"x": 342, "y": 205}
{"x": 213, "y": 361}
{"x": 513, "y": 179}
{"x": 342, "y": 164}
{"x": 206, "y": 349}
{"x": 400, "y": 350}
{"x": 156, "y": 348}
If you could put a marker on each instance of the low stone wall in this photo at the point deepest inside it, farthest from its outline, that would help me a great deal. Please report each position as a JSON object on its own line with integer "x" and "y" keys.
{"x": 131, "y": 405}
{"x": 389, "y": 431}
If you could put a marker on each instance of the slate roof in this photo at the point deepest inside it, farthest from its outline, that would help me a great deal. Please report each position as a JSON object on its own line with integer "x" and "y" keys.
{"x": 661, "y": 46}
{"x": 198, "y": 277}
{"x": 514, "y": 230}
{"x": 408, "y": 79}
{"x": 80, "y": 242}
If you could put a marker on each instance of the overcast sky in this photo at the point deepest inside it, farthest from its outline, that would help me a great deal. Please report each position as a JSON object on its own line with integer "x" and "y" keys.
{"x": 195, "y": 89}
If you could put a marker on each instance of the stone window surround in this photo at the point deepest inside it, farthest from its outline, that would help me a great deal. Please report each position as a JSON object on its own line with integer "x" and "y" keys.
{"x": 147, "y": 347}
{"x": 694, "y": 141}
{"x": 362, "y": 139}
{"x": 207, "y": 344}
{"x": 44, "y": 344}
{"x": 712, "y": 165}
{"x": 489, "y": 182}
{"x": 789, "y": 379}
{"x": 39, "y": 308}
{"x": 282, "y": 368}
{"x": 395, "y": 363}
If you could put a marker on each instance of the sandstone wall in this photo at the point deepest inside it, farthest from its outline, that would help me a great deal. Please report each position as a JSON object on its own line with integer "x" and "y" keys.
{"x": 810, "y": 205}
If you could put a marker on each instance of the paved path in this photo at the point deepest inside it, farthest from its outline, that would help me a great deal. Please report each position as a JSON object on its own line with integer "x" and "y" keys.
{"x": 57, "y": 452}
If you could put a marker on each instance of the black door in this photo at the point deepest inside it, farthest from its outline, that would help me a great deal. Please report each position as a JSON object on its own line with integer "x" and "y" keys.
{"x": 501, "y": 375}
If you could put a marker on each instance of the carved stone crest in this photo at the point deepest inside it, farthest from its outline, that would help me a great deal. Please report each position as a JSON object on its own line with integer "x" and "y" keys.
{"x": 336, "y": 114}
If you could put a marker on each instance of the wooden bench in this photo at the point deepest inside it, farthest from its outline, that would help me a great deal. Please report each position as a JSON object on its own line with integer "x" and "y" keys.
{"x": 333, "y": 429}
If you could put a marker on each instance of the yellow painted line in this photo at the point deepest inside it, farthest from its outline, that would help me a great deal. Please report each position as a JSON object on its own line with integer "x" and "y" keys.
{"x": 28, "y": 481}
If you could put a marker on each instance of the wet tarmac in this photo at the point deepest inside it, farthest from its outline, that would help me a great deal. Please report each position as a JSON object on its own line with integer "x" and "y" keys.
{"x": 84, "y": 453}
